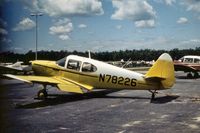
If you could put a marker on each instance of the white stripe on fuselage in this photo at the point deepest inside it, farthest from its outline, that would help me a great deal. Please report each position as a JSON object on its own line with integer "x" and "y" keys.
{"x": 104, "y": 68}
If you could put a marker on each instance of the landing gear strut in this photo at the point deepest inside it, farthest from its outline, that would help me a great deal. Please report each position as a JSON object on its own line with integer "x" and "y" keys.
{"x": 42, "y": 94}
{"x": 196, "y": 75}
{"x": 153, "y": 94}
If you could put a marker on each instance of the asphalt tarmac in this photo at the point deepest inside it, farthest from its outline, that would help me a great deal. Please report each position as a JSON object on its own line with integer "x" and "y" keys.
{"x": 101, "y": 111}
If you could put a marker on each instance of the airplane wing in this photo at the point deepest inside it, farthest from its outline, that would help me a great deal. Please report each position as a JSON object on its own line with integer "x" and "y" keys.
{"x": 63, "y": 84}
{"x": 6, "y": 68}
{"x": 185, "y": 68}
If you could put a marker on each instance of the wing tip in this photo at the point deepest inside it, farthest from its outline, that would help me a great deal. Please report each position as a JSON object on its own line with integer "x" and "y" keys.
{"x": 16, "y": 77}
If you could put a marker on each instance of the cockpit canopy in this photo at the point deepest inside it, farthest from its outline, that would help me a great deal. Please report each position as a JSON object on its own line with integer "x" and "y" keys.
{"x": 77, "y": 63}
{"x": 190, "y": 59}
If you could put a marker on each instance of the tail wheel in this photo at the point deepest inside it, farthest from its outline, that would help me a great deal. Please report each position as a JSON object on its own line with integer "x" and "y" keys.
{"x": 153, "y": 96}
{"x": 42, "y": 94}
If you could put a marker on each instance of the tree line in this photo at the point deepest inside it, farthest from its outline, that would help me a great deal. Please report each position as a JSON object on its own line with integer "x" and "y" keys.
{"x": 143, "y": 54}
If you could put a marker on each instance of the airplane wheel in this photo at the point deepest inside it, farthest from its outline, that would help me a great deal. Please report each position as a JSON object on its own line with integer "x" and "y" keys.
{"x": 42, "y": 94}
{"x": 189, "y": 75}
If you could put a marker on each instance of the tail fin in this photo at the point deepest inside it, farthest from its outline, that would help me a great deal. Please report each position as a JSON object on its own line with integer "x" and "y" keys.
{"x": 163, "y": 69}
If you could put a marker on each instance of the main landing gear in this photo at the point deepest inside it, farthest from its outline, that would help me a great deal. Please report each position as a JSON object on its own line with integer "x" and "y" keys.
{"x": 195, "y": 75}
{"x": 42, "y": 94}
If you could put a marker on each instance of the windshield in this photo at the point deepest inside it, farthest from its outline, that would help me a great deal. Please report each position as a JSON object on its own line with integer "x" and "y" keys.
{"x": 188, "y": 60}
{"x": 61, "y": 62}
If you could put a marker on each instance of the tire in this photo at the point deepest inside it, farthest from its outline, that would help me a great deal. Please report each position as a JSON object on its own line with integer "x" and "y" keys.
{"x": 42, "y": 94}
{"x": 189, "y": 75}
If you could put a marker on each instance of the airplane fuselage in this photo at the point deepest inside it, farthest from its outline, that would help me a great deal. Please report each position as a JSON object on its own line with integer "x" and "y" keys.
{"x": 105, "y": 76}
{"x": 191, "y": 61}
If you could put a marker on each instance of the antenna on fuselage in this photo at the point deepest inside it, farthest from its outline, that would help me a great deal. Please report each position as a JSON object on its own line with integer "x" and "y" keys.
{"x": 127, "y": 63}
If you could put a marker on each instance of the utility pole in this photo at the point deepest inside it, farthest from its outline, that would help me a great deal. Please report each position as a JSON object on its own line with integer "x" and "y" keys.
{"x": 36, "y": 31}
{"x": 89, "y": 54}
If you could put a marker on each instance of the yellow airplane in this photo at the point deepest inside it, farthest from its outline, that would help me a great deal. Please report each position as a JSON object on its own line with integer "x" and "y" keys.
{"x": 79, "y": 74}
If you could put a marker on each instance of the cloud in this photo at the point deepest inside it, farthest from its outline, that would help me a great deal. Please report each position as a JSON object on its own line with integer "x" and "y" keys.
{"x": 119, "y": 27}
{"x": 63, "y": 21}
{"x": 137, "y": 10}
{"x": 191, "y": 41}
{"x": 5, "y": 40}
{"x": 170, "y": 2}
{"x": 31, "y": 5}
{"x": 62, "y": 28}
{"x": 182, "y": 20}
{"x": 3, "y": 31}
{"x": 167, "y": 2}
{"x": 67, "y": 7}
{"x": 192, "y": 5}
{"x": 144, "y": 24}
{"x": 3, "y": 23}
{"x": 3, "y": 26}
{"x": 159, "y": 42}
{"x": 25, "y": 24}
{"x": 64, "y": 37}
{"x": 82, "y": 26}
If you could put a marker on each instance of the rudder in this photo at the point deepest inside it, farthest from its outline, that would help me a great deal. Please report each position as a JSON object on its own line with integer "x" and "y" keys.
{"x": 163, "y": 69}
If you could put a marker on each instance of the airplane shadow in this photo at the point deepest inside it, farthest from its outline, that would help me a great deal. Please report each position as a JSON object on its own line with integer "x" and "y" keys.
{"x": 164, "y": 99}
{"x": 185, "y": 77}
{"x": 56, "y": 99}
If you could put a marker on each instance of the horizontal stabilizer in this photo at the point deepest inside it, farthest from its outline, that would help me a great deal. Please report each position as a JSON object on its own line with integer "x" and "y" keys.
{"x": 155, "y": 78}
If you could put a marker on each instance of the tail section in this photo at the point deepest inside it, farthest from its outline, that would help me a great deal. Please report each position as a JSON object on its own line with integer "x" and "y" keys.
{"x": 163, "y": 69}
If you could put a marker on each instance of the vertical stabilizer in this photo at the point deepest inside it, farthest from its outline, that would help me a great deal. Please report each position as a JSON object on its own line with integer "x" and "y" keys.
{"x": 163, "y": 69}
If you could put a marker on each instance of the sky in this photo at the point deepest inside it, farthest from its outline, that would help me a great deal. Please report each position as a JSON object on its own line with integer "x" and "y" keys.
{"x": 99, "y": 25}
